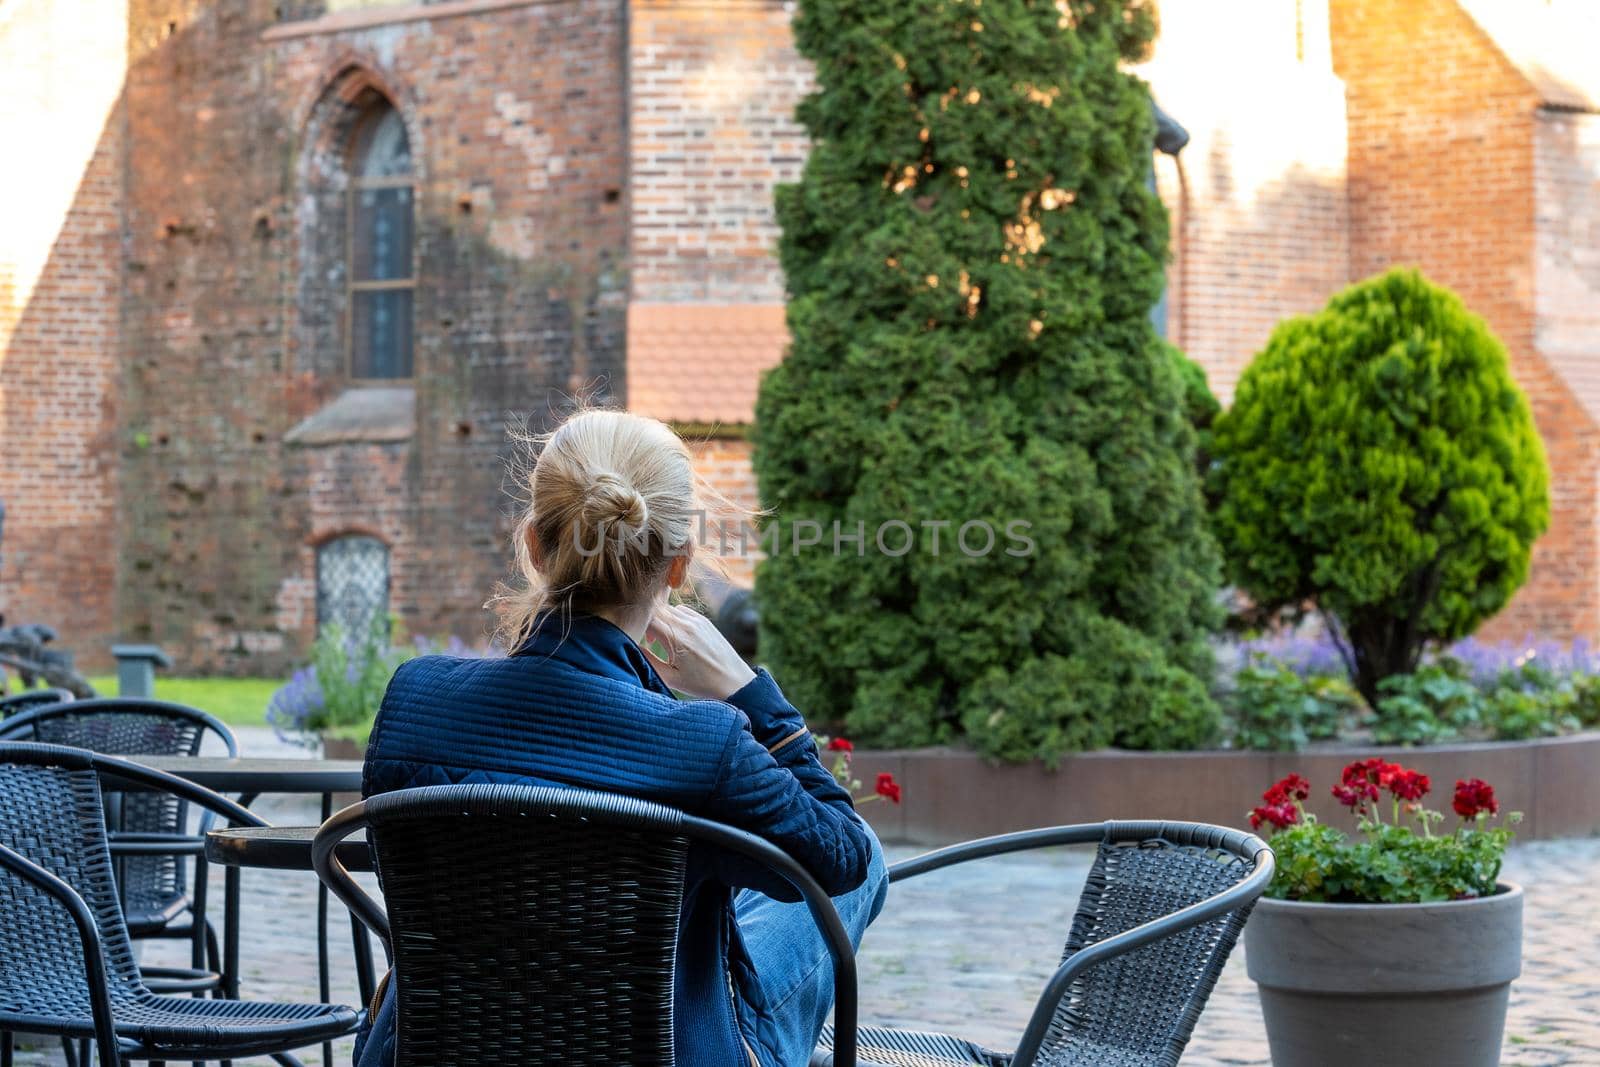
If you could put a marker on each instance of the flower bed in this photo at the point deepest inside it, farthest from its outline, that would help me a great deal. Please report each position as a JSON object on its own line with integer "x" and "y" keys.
{"x": 954, "y": 795}
{"x": 1281, "y": 693}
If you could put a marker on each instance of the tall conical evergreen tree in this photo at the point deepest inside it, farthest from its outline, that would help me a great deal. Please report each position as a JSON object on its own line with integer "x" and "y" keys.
{"x": 972, "y": 255}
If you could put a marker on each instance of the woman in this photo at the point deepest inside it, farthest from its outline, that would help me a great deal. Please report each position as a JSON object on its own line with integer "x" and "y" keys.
{"x": 581, "y": 701}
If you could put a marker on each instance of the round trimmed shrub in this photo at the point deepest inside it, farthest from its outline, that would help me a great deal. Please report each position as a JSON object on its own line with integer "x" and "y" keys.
{"x": 1380, "y": 463}
{"x": 972, "y": 255}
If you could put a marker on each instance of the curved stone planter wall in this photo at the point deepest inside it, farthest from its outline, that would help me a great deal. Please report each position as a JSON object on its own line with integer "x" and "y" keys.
{"x": 951, "y": 795}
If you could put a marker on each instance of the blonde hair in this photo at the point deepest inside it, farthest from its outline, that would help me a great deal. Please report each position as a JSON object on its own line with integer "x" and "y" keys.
{"x": 611, "y": 499}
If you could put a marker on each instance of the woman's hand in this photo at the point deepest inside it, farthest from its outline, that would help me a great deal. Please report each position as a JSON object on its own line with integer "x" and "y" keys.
{"x": 699, "y": 660}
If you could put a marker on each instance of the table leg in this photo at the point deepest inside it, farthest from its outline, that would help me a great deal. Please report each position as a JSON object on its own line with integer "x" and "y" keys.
{"x": 230, "y": 932}
{"x": 323, "y": 986}
{"x": 197, "y": 943}
{"x": 230, "y": 920}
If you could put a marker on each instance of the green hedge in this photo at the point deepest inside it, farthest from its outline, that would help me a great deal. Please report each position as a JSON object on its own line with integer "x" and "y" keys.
{"x": 972, "y": 255}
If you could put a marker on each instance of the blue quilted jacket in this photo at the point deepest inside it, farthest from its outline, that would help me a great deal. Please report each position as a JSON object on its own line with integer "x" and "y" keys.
{"x": 580, "y": 705}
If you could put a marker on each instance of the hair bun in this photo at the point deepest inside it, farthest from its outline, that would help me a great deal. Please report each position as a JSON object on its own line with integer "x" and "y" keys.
{"x": 610, "y": 499}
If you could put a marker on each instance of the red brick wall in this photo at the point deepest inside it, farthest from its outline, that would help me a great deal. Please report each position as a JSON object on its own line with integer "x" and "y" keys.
{"x": 352, "y": 489}
{"x": 234, "y": 324}
{"x": 61, "y": 69}
{"x": 723, "y": 464}
{"x": 713, "y": 87}
{"x": 1442, "y": 177}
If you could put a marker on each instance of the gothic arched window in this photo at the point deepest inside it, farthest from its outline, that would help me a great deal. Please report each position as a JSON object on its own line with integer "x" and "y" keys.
{"x": 381, "y": 274}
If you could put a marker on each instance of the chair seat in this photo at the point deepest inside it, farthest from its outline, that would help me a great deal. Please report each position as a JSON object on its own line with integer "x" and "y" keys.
{"x": 187, "y": 1028}
{"x": 879, "y": 1047}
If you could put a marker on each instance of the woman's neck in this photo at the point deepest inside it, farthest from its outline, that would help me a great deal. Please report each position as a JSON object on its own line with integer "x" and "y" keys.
{"x": 632, "y": 620}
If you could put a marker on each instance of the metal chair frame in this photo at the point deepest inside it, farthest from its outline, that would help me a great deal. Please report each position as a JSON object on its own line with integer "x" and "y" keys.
{"x": 601, "y": 810}
{"x": 112, "y": 1048}
{"x": 1240, "y": 896}
{"x": 17, "y": 703}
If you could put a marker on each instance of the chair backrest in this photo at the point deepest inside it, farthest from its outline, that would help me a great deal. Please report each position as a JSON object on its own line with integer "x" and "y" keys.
{"x": 118, "y": 726}
{"x": 17, "y": 703}
{"x": 1148, "y": 1000}
{"x": 51, "y": 814}
{"x": 540, "y": 925}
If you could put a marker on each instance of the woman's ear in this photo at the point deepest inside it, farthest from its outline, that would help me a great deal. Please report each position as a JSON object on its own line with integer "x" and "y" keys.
{"x": 678, "y": 569}
{"x": 535, "y": 550}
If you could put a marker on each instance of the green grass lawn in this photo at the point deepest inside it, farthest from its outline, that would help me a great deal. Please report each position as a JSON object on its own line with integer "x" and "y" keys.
{"x": 236, "y": 701}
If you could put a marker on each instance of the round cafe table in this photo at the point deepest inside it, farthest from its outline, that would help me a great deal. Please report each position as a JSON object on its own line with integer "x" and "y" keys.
{"x": 280, "y": 848}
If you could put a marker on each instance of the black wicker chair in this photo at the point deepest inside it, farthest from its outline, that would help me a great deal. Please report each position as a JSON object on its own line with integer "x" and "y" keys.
{"x": 17, "y": 703}
{"x": 1164, "y": 904}
{"x": 156, "y": 899}
{"x": 66, "y": 963}
{"x": 538, "y": 925}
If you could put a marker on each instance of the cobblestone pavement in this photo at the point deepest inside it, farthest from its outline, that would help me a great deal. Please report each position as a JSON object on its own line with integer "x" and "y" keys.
{"x": 966, "y": 951}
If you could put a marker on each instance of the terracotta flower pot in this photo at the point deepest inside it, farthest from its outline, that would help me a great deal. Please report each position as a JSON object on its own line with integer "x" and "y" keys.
{"x": 343, "y": 748}
{"x": 1424, "y": 985}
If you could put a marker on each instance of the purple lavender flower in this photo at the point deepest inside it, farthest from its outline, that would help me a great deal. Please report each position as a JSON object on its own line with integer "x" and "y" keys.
{"x": 294, "y": 704}
{"x": 1312, "y": 652}
{"x": 1486, "y": 663}
{"x": 1306, "y": 652}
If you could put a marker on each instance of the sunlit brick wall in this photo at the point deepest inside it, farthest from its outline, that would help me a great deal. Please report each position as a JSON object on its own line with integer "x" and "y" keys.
{"x": 1442, "y": 171}
{"x": 61, "y": 73}
{"x": 1567, "y": 248}
{"x": 1258, "y": 200}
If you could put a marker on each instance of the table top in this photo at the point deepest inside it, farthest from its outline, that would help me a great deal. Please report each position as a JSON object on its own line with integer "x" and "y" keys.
{"x": 282, "y": 848}
{"x": 256, "y": 776}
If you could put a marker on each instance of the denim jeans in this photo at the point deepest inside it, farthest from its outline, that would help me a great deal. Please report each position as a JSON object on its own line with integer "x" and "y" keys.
{"x": 786, "y": 1002}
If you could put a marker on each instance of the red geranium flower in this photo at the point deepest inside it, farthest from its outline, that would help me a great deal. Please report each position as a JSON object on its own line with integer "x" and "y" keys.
{"x": 1291, "y": 788}
{"x": 888, "y": 787}
{"x": 1475, "y": 797}
{"x": 1407, "y": 784}
{"x": 1280, "y": 816}
{"x": 1359, "y": 783}
{"x": 840, "y": 744}
{"x": 1374, "y": 771}
{"x": 1352, "y": 796}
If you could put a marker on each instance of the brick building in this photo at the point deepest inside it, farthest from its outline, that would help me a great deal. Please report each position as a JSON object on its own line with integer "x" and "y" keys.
{"x": 277, "y": 277}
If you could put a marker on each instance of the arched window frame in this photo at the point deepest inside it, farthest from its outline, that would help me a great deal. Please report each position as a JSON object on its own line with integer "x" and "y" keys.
{"x": 361, "y": 183}
{"x": 349, "y": 544}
